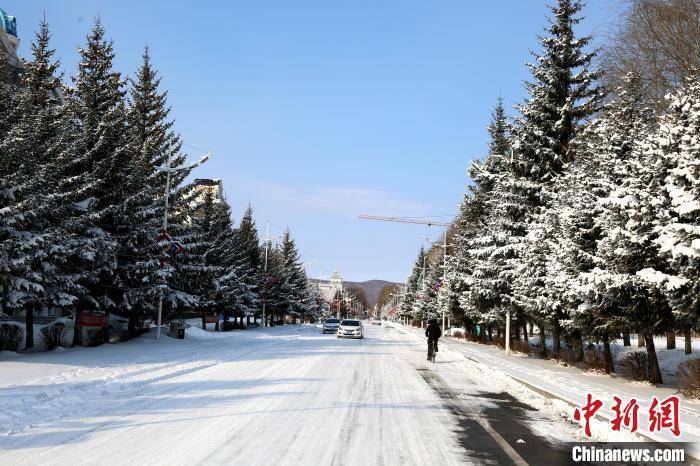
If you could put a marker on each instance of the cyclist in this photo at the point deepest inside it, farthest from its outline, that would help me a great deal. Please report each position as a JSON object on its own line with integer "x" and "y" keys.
{"x": 433, "y": 333}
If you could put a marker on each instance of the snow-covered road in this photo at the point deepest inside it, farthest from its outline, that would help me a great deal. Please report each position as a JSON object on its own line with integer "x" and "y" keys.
{"x": 269, "y": 396}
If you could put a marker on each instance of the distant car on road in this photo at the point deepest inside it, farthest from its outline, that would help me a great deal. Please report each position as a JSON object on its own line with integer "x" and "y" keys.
{"x": 350, "y": 328}
{"x": 376, "y": 321}
{"x": 331, "y": 325}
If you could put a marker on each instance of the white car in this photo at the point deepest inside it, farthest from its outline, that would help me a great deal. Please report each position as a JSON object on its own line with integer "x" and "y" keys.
{"x": 331, "y": 325}
{"x": 376, "y": 321}
{"x": 67, "y": 321}
{"x": 350, "y": 328}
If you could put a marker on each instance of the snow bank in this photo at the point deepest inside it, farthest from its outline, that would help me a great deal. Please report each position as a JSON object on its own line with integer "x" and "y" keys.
{"x": 41, "y": 387}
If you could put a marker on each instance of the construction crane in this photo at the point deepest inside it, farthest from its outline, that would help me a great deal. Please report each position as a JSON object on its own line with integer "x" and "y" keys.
{"x": 422, "y": 221}
{"x": 419, "y": 221}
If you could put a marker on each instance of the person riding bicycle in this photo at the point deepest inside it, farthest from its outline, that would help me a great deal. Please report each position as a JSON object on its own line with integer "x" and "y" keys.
{"x": 433, "y": 333}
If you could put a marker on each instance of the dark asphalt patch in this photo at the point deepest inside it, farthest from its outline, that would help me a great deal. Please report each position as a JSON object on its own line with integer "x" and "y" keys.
{"x": 507, "y": 420}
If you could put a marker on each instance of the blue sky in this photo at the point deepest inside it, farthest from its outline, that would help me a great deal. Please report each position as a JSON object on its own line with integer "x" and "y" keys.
{"x": 317, "y": 111}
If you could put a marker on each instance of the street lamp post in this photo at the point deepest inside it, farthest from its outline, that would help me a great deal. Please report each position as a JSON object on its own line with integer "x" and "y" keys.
{"x": 444, "y": 278}
{"x": 168, "y": 170}
{"x": 444, "y": 272}
{"x": 265, "y": 283}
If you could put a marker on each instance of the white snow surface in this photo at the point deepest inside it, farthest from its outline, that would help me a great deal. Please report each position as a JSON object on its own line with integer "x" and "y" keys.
{"x": 284, "y": 395}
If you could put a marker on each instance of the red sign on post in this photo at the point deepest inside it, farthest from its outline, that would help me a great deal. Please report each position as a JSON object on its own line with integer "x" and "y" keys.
{"x": 92, "y": 319}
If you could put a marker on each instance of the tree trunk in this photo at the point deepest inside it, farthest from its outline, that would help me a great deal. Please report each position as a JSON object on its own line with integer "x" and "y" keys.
{"x": 671, "y": 340}
{"x": 556, "y": 341}
{"x": 489, "y": 332}
{"x": 76, "y": 330}
{"x": 654, "y": 370}
{"x": 525, "y": 334}
{"x": 532, "y": 330}
{"x": 204, "y": 320}
{"x": 132, "y": 324}
{"x": 626, "y": 339}
{"x": 543, "y": 341}
{"x": 576, "y": 347}
{"x": 607, "y": 355}
{"x": 516, "y": 331}
{"x": 498, "y": 332}
{"x": 688, "y": 342}
{"x": 640, "y": 340}
{"x": 29, "y": 324}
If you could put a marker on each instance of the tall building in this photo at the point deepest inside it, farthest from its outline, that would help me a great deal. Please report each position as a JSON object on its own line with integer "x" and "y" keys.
{"x": 329, "y": 288}
{"x": 213, "y": 186}
{"x": 203, "y": 187}
{"x": 9, "y": 43}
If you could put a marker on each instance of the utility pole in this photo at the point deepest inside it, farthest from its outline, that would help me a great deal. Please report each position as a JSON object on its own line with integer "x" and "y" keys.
{"x": 265, "y": 282}
{"x": 444, "y": 278}
{"x": 508, "y": 332}
{"x": 168, "y": 170}
{"x": 416, "y": 221}
{"x": 444, "y": 273}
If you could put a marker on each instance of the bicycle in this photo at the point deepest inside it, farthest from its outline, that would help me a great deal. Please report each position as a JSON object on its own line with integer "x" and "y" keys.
{"x": 431, "y": 349}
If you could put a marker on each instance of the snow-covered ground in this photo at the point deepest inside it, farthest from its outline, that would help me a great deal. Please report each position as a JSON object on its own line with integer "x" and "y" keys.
{"x": 284, "y": 395}
{"x": 556, "y": 389}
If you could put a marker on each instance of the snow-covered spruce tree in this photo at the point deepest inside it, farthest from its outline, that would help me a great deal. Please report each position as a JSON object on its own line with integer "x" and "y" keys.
{"x": 477, "y": 271}
{"x": 449, "y": 292}
{"x": 675, "y": 153}
{"x": 249, "y": 257}
{"x": 26, "y": 274}
{"x": 434, "y": 283}
{"x": 274, "y": 289}
{"x": 152, "y": 143}
{"x": 412, "y": 285}
{"x": 562, "y": 95}
{"x": 501, "y": 262}
{"x": 424, "y": 303}
{"x": 223, "y": 258}
{"x": 293, "y": 276}
{"x": 8, "y": 168}
{"x": 102, "y": 145}
{"x": 194, "y": 278}
{"x": 603, "y": 150}
{"x": 638, "y": 275}
{"x": 35, "y": 211}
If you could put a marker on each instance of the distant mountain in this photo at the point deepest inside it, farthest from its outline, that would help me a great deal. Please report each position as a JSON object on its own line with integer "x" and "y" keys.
{"x": 372, "y": 288}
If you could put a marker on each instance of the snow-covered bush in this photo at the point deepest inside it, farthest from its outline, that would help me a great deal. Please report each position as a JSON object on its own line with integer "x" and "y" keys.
{"x": 594, "y": 360}
{"x": 521, "y": 347}
{"x": 10, "y": 337}
{"x": 688, "y": 374}
{"x": 498, "y": 341}
{"x": 565, "y": 356}
{"x": 94, "y": 337}
{"x": 229, "y": 325}
{"x": 53, "y": 336}
{"x": 636, "y": 365}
